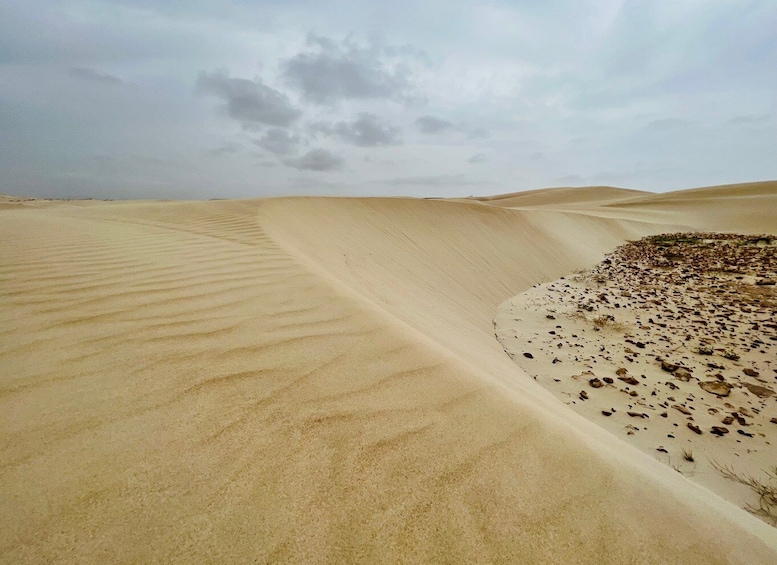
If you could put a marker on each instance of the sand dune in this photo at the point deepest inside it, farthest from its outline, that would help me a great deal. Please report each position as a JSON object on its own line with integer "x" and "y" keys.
{"x": 317, "y": 380}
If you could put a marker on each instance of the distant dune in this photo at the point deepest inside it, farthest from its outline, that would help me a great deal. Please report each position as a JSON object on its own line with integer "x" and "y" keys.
{"x": 316, "y": 380}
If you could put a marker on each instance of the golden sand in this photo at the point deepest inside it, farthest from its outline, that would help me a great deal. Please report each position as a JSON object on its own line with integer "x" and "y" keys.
{"x": 317, "y": 380}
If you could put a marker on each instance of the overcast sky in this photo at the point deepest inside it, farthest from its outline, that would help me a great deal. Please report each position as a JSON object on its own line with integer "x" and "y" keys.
{"x": 238, "y": 98}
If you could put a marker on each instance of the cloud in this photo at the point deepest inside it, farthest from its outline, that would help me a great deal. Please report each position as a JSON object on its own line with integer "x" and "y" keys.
{"x": 250, "y": 102}
{"x": 431, "y": 125}
{"x": 367, "y": 130}
{"x": 226, "y": 148}
{"x": 748, "y": 119}
{"x": 477, "y": 133}
{"x": 84, "y": 73}
{"x": 668, "y": 124}
{"x": 316, "y": 160}
{"x": 478, "y": 158}
{"x": 279, "y": 141}
{"x": 332, "y": 71}
{"x": 435, "y": 180}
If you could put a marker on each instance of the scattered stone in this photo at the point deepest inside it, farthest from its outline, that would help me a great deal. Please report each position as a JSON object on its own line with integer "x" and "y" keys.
{"x": 744, "y": 433}
{"x": 629, "y": 380}
{"x": 682, "y": 409}
{"x": 758, "y": 390}
{"x": 728, "y": 420}
{"x": 682, "y": 375}
{"x": 715, "y": 387}
{"x": 606, "y": 412}
{"x": 719, "y": 430}
{"x": 773, "y": 420}
{"x": 669, "y": 367}
{"x": 731, "y": 355}
{"x": 583, "y": 395}
{"x": 621, "y": 372}
{"x": 608, "y": 380}
{"x": 596, "y": 383}
{"x": 694, "y": 428}
{"x": 750, "y": 372}
{"x": 637, "y": 415}
{"x": 528, "y": 355}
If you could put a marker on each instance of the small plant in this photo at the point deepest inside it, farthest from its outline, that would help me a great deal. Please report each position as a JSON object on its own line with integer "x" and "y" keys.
{"x": 688, "y": 455}
{"x": 766, "y": 490}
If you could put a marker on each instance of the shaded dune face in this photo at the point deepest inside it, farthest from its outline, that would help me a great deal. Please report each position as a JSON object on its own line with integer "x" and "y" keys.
{"x": 313, "y": 380}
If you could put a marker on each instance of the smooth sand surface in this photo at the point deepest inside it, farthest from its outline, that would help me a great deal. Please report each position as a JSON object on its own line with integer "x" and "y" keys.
{"x": 317, "y": 380}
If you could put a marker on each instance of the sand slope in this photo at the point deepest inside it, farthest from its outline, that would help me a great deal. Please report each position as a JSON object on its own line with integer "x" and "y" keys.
{"x": 316, "y": 380}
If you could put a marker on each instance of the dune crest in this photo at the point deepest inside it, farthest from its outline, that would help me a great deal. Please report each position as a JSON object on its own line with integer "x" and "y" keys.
{"x": 317, "y": 380}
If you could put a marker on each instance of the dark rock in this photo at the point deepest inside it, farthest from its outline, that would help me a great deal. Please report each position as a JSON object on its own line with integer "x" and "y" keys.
{"x": 750, "y": 372}
{"x": 629, "y": 380}
{"x": 608, "y": 380}
{"x": 694, "y": 428}
{"x": 583, "y": 395}
{"x": 669, "y": 367}
{"x": 728, "y": 420}
{"x": 744, "y": 433}
{"x": 596, "y": 383}
{"x": 716, "y": 387}
{"x": 758, "y": 390}
{"x": 719, "y": 430}
{"x": 606, "y": 413}
{"x": 682, "y": 409}
{"x": 528, "y": 355}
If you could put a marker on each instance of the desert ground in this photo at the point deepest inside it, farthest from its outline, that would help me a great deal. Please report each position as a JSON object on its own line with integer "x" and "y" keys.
{"x": 318, "y": 380}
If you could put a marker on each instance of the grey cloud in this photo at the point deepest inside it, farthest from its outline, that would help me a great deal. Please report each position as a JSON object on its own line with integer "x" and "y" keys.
{"x": 478, "y": 158}
{"x": 279, "y": 141}
{"x": 250, "y": 102}
{"x": 431, "y": 125}
{"x": 435, "y": 180}
{"x": 367, "y": 130}
{"x": 316, "y": 160}
{"x": 477, "y": 133}
{"x": 748, "y": 119}
{"x": 87, "y": 74}
{"x": 666, "y": 124}
{"x": 333, "y": 71}
{"x": 227, "y": 148}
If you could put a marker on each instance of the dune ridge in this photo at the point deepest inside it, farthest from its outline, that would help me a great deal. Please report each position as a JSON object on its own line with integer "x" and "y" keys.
{"x": 316, "y": 380}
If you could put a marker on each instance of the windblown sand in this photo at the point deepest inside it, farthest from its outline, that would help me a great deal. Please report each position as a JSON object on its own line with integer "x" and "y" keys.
{"x": 317, "y": 380}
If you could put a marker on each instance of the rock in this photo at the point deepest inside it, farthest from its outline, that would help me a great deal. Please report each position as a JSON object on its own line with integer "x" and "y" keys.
{"x": 583, "y": 395}
{"x": 550, "y": 317}
{"x": 694, "y": 428}
{"x": 608, "y": 380}
{"x": 640, "y": 345}
{"x": 669, "y": 367}
{"x": 719, "y": 430}
{"x": 621, "y": 371}
{"x": 629, "y": 380}
{"x": 750, "y": 372}
{"x": 765, "y": 282}
{"x": 744, "y": 433}
{"x": 606, "y": 412}
{"x": 637, "y": 415}
{"x": 705, "y": 350}
{"x": 683, "y": 375}
{"x": 773, "y": 420}
{"x": 758, "y": 390}
{"x": 528, "y": 355}
{"x": 596, "y": 383}
{"x": 682, "y": 409}
{"x": 728, "y": 420}
{"x": 732, "y": 355}
{"x": 715, "y": 387}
